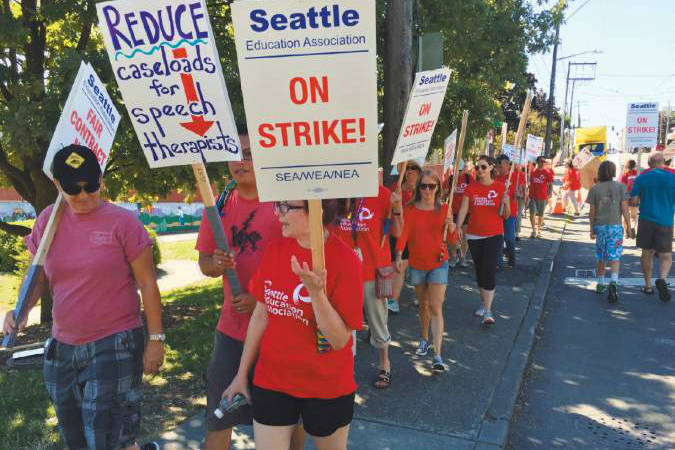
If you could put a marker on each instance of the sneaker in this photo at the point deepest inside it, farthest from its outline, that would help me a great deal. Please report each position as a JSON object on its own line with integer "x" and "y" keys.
{"x": 416, "y": 302}
{"x": 662, "y": 287}
{"x": 152, "y": 445}
{"x": 423, "y": 348}
{"x": 533, "y": 234}
{"x": 600, "y": 288}
{"x": 511, "y": 261}
{"x": 612, "y": 292}
{"x": 487, "y": 318}
{"x": 480, "y": 312}
{"x": 453, "y": 263}
{"x": 392, "y": 306}
{"x": 463, "y": 263}
{"x": 438, "y": 365}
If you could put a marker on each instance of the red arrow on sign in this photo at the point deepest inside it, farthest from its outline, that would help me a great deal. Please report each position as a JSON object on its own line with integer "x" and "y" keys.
{"x": 198, "y": 125}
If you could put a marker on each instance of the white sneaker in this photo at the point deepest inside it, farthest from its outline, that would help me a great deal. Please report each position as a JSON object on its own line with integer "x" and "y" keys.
{"x": 452, "y": 263}
{"x": 488, "y": 319}
{"x": 480, "y": 312}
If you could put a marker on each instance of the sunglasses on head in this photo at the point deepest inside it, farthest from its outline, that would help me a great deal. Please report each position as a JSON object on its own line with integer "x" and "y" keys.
{"x": 284, "y": 207}
{"x": 75, "y": 189}
{"x": 482, "y": 166}
{"x": 428, "y": 186}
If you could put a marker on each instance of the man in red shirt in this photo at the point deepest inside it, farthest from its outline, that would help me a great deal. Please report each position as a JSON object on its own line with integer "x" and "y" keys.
{"x": 540, "y": 179}
{"x": 628, "y": 177}
{"x": 517, "y": 178}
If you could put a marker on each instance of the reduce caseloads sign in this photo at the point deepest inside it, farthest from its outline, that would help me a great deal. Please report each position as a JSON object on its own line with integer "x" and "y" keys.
{"x": 642, "y": 125}
{"x": 166, "y": 65}
{"x": 89, "y": 118}
{"x": 308, "y": 76}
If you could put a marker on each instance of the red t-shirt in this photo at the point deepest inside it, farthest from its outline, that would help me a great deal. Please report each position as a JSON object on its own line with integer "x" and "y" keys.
{"x": 463, "y": 181}
{"x": 89, "y": 271}
{"x": 517, "y": 179}
{"x": 289, "y": 360}
{"x": 572, "y": 180}
{"x": 628, "y": 178}
{"x": 406, "y": 194}
{"x": 368, "y": 226}
{"x": 423, "y": 232}
{"x": 539, "y": 181}
{"x": 484, "y": 201}
{"x": 249, "y": 226}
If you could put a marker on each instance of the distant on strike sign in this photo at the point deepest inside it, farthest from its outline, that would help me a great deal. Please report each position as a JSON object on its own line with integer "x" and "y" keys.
{"x": 419, "y": 122}
{"x": 642, "y": 124}
{"x": 308, "y": 76}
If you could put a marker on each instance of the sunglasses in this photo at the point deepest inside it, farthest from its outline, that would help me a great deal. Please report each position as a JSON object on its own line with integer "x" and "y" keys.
{"x": 284, "y": 207}
{"x": 428, "y": 186}
{"x": 482, "y": 167}
{"x": 75, "y": 189}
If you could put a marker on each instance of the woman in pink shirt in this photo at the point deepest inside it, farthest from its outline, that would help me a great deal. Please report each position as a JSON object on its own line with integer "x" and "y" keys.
{"x": 96, "y": 357}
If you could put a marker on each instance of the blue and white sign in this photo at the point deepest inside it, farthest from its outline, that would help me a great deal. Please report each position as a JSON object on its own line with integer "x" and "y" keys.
{"x": 421, "y": 115}
{"x": 534, "y": 147}
{"x": 309, "y": 79}
{"x": 89, "y": 118}
{"x": 165, "y": 61}
{"x": 642, "y": 124}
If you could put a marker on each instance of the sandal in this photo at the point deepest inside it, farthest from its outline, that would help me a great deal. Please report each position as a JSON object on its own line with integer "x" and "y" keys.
{"x": 383, "y": 380}
{"x": 647, "y": 290}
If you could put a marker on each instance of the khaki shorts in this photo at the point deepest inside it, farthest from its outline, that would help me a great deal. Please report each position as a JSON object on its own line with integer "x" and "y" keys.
{"x": 377, "y": 315}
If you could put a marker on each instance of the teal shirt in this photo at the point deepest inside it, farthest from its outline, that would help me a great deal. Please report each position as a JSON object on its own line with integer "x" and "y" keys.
{"x": 656, "y": 189}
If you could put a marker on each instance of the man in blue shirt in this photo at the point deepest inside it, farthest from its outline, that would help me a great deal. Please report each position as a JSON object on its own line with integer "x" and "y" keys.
{"x": 655, "y": 192}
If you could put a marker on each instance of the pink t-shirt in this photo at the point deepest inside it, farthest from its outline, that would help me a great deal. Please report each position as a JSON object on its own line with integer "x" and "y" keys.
{"x": 89, "y": 272}
{"x": 249, "y": 226}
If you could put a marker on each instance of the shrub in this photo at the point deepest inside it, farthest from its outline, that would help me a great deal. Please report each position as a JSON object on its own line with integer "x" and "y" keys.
{"x": 13, "y": 252}
{"x": 156, "y": 252}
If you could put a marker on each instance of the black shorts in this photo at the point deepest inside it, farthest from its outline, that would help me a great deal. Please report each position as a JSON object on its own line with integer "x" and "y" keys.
{"x": 652, "y": 236}
{"x": 220, "y": 372}
{"x": 320, "y": 417}
{"x": 392, "y": 246}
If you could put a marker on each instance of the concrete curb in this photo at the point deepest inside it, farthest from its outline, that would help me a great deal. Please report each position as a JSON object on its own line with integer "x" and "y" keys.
{"x": 494, "y": 428}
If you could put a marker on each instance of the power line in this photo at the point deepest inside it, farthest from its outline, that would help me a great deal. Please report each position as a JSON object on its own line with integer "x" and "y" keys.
{"x": 578, "y": 9}
{"x": 626, "y": 75}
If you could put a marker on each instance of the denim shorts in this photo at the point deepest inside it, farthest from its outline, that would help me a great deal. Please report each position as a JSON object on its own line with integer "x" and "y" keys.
{"x": 97, "y": 390}
{"x": 439, "y": 275}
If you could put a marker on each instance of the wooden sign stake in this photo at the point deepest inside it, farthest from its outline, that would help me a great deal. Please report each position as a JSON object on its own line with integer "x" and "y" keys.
{"x": 204, "y": 186}
{"x": 455, "y": 171}
{"x": 36, "y": 272}
{"x": 518, "y": 142}
{"x": 316, "y": 235}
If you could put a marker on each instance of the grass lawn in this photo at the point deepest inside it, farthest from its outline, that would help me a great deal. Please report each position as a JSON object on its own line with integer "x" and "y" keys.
{"x": 179, "y": 250}
{"x": 9, "y": 290}
{"x": 175, "y": 394}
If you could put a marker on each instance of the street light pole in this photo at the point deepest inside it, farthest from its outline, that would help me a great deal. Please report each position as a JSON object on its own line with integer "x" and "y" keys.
{"x": 563, "y": 153}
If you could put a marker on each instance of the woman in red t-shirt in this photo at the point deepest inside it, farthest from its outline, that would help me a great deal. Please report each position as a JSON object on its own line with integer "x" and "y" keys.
{"x": 423, "y": 224}
{"x": 628, "y": 177}
{"x": 571, "y": 184}
{"x": 301, "y": 373}
{"x": 404, "y": 195}
{"x": 485, "y": 231}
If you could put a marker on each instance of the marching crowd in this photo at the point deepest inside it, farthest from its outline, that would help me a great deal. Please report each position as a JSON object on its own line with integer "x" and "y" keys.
{"x": 287, "y": 342}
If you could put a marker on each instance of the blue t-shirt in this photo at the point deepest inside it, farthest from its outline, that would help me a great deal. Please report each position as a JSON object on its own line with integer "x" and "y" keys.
{"x": 656, "y": 189}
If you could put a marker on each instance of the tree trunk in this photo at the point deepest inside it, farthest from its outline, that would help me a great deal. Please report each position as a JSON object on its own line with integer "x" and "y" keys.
{"x": 397, "y": 74}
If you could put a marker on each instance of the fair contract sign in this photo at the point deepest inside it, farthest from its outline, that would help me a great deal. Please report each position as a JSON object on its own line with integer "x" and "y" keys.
{"x": 308, "y": 77}
{"x": 166, "y": 65}
{"x": 424, "y": 105}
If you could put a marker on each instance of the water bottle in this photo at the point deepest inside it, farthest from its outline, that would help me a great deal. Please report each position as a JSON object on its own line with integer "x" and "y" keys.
{"x": 227, "y": 407}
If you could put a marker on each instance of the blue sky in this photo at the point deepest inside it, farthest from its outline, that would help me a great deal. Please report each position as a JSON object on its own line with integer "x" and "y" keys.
{"x": 637, "y": 39}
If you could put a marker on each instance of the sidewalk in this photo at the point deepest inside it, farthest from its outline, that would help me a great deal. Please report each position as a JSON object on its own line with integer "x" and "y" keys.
{"x": 468, "y": 407}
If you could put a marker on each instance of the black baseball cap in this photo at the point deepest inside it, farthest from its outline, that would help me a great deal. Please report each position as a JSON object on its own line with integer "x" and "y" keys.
{"x": 75, "y": 163}
{"x": 503, "y": 157}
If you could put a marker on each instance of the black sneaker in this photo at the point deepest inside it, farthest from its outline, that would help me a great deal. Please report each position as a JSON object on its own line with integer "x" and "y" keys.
{"x": 612, "y": 292}
{"x": 662, "y": 287}
{"x": 152, "y": 445}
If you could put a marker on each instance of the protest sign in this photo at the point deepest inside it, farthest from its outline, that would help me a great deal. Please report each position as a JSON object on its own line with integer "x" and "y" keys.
{"x": 455, "y": 176}
{"x": 165, "y": 61}
{"x": 533, "y": 147}
{"x": 510, "y": 151}
{"x": 308, "y": 77}
{"x": 89, "y": 118}
{"x": 424, "y": 105}
{"x": 522, "y": 124}
{"x": 642, "y": 125}
{"x": 450, "y": 144}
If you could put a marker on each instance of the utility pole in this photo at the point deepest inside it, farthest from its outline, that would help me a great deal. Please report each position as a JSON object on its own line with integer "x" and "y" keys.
{"x": 579, "y": 114}
{"x": 563, "y": 153}
{"x": 551, "y": 96}
{"x": 397, "y": 72}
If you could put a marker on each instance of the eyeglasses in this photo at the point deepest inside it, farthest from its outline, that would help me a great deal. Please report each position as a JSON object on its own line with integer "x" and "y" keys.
{"x": 75, "y": 189}
{"x": 428, "y": 186}
{"x": 284, "y": 207}
{"x": 408, "y": 169}
{"x": 482, "y": 167}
